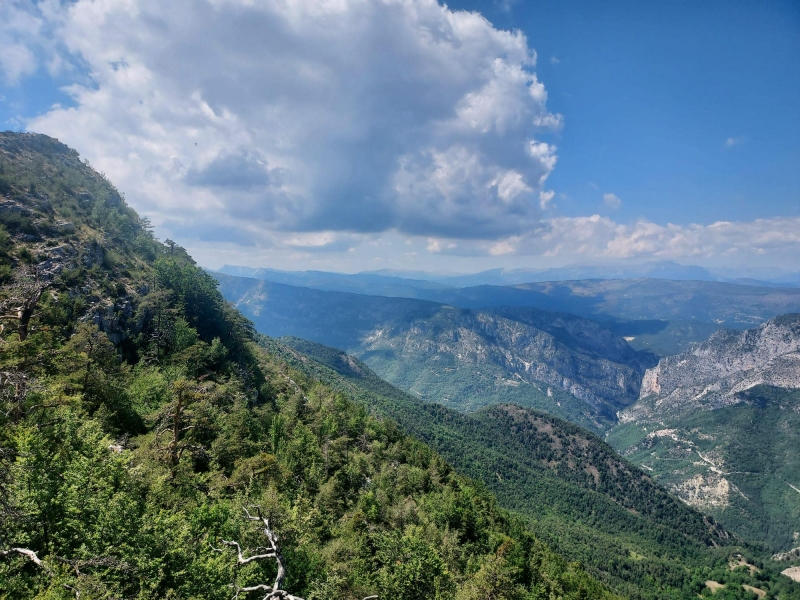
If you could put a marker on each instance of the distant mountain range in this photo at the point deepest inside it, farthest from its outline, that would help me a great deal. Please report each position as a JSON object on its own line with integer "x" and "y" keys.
{"x": 488, "y": 344}
{"x": 466, "y": 359}
{"x": 615, "y": 300}
{"x": 418, "y": 279}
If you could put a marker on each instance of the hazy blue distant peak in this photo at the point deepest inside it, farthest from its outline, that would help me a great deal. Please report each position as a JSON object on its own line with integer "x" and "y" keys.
{"x": 237, "y": 271}
{"x": 358, "y": 283}
{"x": 499, "y": 277}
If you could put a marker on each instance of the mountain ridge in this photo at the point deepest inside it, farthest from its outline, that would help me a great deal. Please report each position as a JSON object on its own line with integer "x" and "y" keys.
{"x": 664, "y": 269}
{"x": 718, "y": 425}
{"x": 710, "y": 374}
{"x": 461, "y": 357}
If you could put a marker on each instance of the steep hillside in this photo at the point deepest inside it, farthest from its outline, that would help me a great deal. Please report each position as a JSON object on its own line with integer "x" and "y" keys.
{"x": 740, "y": 463}
{"x": 587, "y": 502}
{"x": 660, "y": 315}
{"x": 709, "y": 375}
{"x": 143, "y": 435}
{"x": 566, "y": 365}
{"x": 718, "y": 425}
{"x": 468, "y": 359}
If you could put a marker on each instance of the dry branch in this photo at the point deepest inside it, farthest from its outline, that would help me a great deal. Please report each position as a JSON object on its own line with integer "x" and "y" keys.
{"x": 29, "y": 554}
{"x": 274, "y": 592}
{"x": 75, "y": 565}
{"x": 24, "y": 293}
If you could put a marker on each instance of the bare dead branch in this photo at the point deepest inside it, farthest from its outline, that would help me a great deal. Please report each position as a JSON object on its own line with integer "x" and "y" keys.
{"x": 253, "y": 588}
{"x": 29, "y": 554}
{"x": 75, "y": 590}
{"x": 75, "y": 565}
{"x": 274, "y": 592}
{"x": 14, "y": 388}
{"x": 24, "y": 293}
{"x": 242, "y": 560}
{"x": 97, "y": 561}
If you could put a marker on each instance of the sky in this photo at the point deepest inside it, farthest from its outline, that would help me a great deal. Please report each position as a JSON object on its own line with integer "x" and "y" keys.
{"x": 405, "y": 134}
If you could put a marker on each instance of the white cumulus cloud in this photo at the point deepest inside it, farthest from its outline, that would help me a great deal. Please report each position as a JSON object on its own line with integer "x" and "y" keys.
{"x": 228, "y": 118}
{"x": 594, "y": 237}
{"x": 545, "y": 197}
{"x": 612, "y": 201}
{"x": 553, "y": 241}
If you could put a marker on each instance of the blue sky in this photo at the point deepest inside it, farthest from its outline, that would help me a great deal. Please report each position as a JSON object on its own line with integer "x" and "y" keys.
{"x": 368, "y": 134}
{"x": 652, "y": 91}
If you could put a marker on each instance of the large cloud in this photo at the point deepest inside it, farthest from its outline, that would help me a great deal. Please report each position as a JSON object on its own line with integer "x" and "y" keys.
{"x": 586, "y": 239}
{"x": 297, "y": 116}
{"x": 21, "y": 29}
{"x": 554, "y": 241}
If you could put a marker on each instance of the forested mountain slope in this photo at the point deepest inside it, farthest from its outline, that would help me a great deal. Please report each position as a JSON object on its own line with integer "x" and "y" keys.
{"x": 588, "y": 503}
{"x": 139, "y": 421}
{"x": 740, "y": 463}
{"x": 566, "y": 365}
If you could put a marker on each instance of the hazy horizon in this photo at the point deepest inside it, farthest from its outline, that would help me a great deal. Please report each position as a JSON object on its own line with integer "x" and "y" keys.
{"x": 653, "y": 270}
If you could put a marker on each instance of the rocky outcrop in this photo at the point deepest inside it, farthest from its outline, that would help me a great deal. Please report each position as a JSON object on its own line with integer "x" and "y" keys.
{"x": 57, "y": 259}
{"x": 115, "y": 320}
{"x": 793, "y": 554}
{"x": 711, "y": 374}
{"x": 565, "y": 364}
{"x": 93, "y": 254}
{"x": 558, "y": 352}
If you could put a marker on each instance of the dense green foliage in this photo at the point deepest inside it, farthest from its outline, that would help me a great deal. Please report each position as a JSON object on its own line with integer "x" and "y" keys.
{"x": 755, "y": 445}
{"x": 138, "y": 419}
{"x": 589, "y": 504}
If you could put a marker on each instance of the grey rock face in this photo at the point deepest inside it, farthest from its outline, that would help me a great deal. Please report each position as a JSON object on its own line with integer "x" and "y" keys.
{"x": 710, "y": 374}
{"x": 115, "y": 320}
{"x": 94, "y": 254}
{"x": 65, "y": 226}
{"x": 58, "y": 258}
{"x": 526, "y": 351}
{"x": 10, "y": 206}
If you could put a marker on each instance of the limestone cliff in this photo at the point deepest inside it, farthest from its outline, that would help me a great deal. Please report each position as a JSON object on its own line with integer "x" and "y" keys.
{"x": 710, "y": 374}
